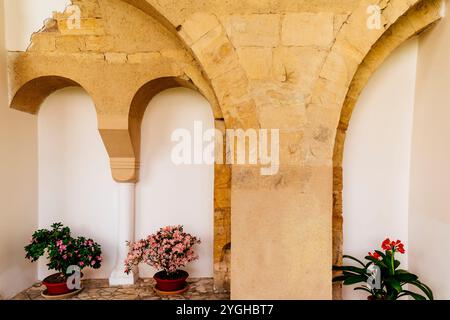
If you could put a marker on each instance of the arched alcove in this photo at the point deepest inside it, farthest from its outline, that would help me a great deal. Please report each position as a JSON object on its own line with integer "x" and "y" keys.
{"x": 171, "y": 194}
{"x": 75, "y": 183}
{"x": 407, "y": 26}
{"x": 184, "y": 104}
{"x": 376, "y": 161}
{"x": 32, "y": 94}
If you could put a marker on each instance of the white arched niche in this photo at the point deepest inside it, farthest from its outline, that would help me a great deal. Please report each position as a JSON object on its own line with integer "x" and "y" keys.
{"x": 75, "y": 182}
{"x": 376, "y": 166}
{"x": 171, "y": 194}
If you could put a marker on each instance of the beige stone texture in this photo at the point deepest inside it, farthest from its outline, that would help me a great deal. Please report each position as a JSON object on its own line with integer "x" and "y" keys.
{"x": 259, "y": 30}
{"x": 257, "y": 62}
{"x": 308, "y": 29}
{"x": 293, "y": 65}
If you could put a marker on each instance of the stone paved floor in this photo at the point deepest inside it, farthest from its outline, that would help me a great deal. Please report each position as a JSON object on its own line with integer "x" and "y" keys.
{"x": 200, "y": 289}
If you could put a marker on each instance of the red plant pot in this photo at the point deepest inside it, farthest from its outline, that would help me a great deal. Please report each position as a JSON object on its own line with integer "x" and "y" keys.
{"x": 56, "y": 285}
{"x": 167, "y": 284}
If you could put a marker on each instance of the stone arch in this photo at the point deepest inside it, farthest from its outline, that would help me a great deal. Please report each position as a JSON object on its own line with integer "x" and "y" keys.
{"x": 421, "y": 16}
{"x": 30, "y": 96}
{"x": 146, "y": 93}
{"x": 222, "y": 172}
{"x": 204, "y": 36}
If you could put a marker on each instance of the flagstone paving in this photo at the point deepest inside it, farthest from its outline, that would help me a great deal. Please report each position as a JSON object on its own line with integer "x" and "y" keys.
{"x": 200, "y": 289}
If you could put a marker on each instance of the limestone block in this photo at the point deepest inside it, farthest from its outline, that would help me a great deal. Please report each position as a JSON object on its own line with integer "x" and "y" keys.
{"x": 339, "y": 21}
{"x": 197, "y": 25}
{"x": 144, "y": 57}
{"x": 86, "y": 26}
{"x": 298, "y": 66}
{"x": 241, "y": 115}
{"x": 295, "y": 218}
{"x": 70, "y": 43}
{"x": 216, "y": 53}
{"x": 116, "y": 57}
{"x": 280, "y": 107}
{"x": 89, "y": 8}
{"x": 99, "y": 43}
{"x": 357, "y": 33}
{"x": 43, "y": 42}
{"x": 257, "y": 62}
{"x": 231, "y": 87}
{"x": 293, "y": 148}
{"x": 307, "y": 29}
{"x": 339, "y": 67}
{"x": 258, "y": 30}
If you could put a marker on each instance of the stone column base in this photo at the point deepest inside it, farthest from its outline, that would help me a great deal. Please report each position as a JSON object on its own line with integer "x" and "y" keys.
{"x": 120, "y": 278}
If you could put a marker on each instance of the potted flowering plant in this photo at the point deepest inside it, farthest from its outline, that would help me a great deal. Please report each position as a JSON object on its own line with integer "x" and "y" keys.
{"x": 63, "y": 251}
{"x": 167, "y": 251}
{"x": 392, "y": 280}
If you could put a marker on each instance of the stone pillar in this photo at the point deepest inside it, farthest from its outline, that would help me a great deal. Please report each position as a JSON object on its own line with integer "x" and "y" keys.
{"x": 125, "y": 232}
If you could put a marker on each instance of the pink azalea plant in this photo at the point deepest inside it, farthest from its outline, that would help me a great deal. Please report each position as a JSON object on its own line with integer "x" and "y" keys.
{"x": 168, "y": 250}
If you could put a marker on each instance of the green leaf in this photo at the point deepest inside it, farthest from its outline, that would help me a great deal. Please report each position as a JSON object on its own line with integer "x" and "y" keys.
{"x": 424, "y": 288}
{"x": 394, "y": 284}
{"x": 353, "y": 280}
{"x": 354, "y": 259}
{"x": 351, "y": 274}
{"x": 412, "y": 294}
{"x": 400, "y": 271}
{"x": 350, "y": 268}
{"x": 405, "y": 276}
{"x": 363, "y": 289}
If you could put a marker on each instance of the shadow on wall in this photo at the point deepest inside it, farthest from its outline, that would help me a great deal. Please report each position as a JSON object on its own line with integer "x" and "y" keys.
{"x": 224, "y": 266}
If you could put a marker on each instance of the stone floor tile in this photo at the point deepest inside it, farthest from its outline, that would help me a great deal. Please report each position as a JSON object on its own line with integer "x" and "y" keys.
{"x": 200, "y": 289}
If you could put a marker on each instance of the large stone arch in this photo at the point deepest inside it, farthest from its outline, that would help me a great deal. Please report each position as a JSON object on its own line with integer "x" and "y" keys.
{"x": 421, "y": 16}
{"x": 205, "y": 37}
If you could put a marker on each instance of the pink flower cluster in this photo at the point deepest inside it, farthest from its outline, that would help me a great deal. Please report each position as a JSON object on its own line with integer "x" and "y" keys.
{"x": 66, "y": 251}
{"x": 169, "y": 249}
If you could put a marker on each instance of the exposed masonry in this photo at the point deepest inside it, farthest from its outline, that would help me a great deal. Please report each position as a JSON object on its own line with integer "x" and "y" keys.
{"x": 293, "y": 65}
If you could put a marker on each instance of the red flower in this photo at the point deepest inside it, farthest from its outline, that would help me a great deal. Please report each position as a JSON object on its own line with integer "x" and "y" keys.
{"x": 393, "y": 245}
{"x": 386, "y": 245}
{"x": 375, "y": 255}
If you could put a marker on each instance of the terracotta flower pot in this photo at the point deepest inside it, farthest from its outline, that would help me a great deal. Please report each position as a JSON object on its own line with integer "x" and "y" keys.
{"x": 173, "y": 283}
{"x": 56, "y": 285}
